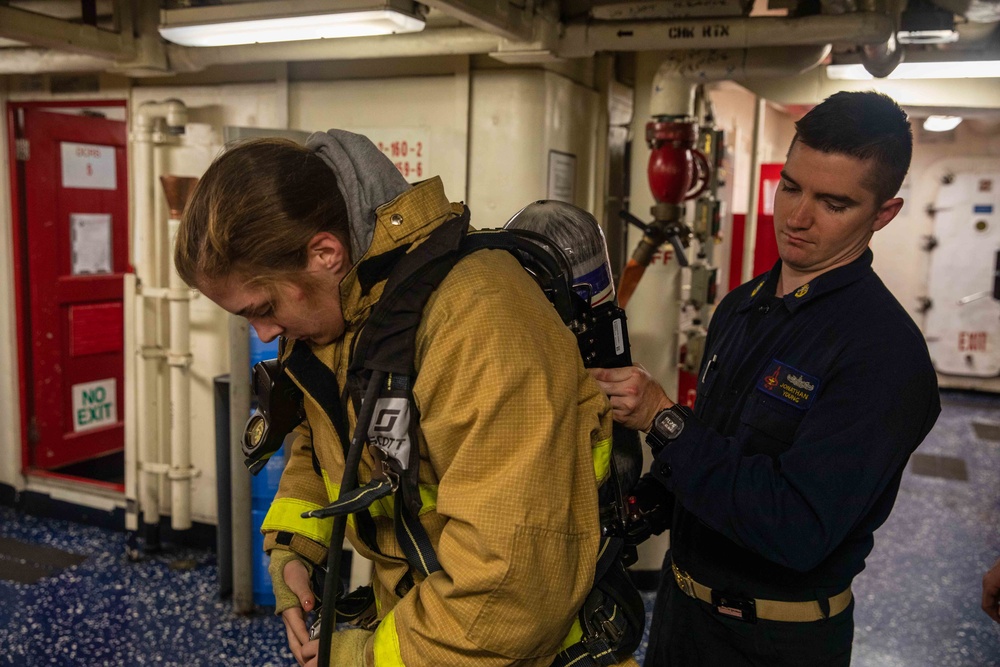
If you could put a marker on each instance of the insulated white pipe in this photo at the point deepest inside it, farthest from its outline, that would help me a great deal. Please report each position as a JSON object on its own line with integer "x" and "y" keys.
{"x": 676, "y": 78}
{"x": 131, "y": 442}
{"x": 147, "y": 404}
{"x": 586, "y": 39}
{"x": 179, "y": 360}
{"x": 149, "y": 408}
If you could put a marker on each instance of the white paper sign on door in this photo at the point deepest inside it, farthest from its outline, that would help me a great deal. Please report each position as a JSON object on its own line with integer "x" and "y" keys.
{"x": 90, "y": 234}
{"x": 88, "y": 166}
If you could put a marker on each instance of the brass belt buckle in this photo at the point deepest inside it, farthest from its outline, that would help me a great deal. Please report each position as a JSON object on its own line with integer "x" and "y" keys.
{"x": 684, "y": 581}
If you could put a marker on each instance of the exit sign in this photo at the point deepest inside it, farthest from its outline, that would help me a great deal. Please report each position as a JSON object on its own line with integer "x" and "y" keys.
{"x": 94, "y": 404}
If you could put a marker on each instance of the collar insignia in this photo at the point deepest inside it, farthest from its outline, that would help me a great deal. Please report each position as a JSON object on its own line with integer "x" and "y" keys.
{"x": 757, "y": 288}
{"x": 802, "y": 291}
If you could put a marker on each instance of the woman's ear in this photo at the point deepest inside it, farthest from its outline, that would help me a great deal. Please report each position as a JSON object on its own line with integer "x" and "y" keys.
{"x": 326, "y": 252}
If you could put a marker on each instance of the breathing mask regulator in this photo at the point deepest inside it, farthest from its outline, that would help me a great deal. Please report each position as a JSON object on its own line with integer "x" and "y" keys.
{"x": 279, "y": 410}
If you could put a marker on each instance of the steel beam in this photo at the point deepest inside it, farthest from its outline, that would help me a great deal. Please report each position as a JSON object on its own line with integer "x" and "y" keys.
{"x": 41, "y": 30}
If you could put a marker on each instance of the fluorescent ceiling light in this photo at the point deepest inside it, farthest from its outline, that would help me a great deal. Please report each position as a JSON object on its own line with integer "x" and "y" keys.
{"x": 971, "y": 69}
{"x": 261, "y": 22}
{"x": 941, "y": 123}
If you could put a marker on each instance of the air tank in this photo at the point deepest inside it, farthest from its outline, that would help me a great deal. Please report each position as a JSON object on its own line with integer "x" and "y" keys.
{"x": 577, "y": 234}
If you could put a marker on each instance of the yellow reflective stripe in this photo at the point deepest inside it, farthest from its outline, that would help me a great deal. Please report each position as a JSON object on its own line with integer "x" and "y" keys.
{"x": 574, "y": 635}
{"x": 602, "y": 459}
{"x": 386, "y": 644}
{"x": 428, "y": 502}
{"x": 285, "y": 514}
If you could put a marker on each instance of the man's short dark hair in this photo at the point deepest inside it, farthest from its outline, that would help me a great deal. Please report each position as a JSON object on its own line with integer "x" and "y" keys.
{"x": 865, "y": 125}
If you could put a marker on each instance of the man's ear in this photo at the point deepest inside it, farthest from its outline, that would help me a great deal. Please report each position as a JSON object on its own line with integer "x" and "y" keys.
{"x": 326, "y": 252}
{"x": 886, "y": 212}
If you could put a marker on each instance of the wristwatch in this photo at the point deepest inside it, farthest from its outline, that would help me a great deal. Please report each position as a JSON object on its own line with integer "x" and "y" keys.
{"x": 668, "y": 424}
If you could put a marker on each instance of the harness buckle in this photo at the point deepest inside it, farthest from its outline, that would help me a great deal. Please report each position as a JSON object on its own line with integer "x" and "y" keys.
{"x": 384, "y": 470}
{"x": 684, "y": 581}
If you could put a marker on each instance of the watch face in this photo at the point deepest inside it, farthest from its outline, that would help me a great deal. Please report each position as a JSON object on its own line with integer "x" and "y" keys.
{"x": 670, "y": 423}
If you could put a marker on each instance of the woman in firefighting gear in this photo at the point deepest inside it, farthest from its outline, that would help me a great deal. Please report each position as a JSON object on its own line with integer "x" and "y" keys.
{"x": 299, "y": 240}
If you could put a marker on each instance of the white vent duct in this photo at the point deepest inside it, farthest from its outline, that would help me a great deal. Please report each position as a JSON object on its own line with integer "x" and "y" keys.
{"x": 675, "y": 80}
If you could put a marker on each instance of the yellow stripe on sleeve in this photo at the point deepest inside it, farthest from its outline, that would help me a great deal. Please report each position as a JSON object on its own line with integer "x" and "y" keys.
{"x": 602, "y": 459}
{"x": 285, "y": 514}
{"x": 386, "y": 644}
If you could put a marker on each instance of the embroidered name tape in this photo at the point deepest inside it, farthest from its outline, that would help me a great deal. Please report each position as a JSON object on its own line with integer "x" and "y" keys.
{"x": 789, "y": 384}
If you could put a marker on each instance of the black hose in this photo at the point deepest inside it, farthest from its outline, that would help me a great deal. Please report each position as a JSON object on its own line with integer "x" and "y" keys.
{"x": 348, "y": 483}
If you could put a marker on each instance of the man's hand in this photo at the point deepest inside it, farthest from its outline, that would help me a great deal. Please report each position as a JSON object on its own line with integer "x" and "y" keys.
{"x": 294, "y": 586}
{"x": 635, "y": 396}
{"x": 991, "y": 592}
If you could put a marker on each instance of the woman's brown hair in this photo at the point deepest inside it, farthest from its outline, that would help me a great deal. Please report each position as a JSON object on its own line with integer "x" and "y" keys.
{"x": 254, "y": 212}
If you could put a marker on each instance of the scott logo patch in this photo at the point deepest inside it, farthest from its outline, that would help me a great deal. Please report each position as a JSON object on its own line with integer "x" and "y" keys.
{"x": 789, "y": 384}
{"x": 390, "y": 429}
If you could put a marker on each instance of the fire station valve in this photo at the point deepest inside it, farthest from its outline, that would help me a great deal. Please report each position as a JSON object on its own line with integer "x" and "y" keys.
{"x": 677, "y": 172}
{"x": 693, "y": 350}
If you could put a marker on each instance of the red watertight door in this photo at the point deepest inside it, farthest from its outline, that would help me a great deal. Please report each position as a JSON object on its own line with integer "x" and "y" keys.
{"x": 75, "y": 213}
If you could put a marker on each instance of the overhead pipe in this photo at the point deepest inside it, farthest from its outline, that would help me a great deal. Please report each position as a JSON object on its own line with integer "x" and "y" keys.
{"x": 31, "y": 60}
{"x": 585, "y": 39}
{"x": 881, "y": 59}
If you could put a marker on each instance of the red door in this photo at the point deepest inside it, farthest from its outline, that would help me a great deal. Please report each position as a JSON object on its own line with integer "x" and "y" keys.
{"x": 765, "y": 252}
{"x": 73, "y": 209}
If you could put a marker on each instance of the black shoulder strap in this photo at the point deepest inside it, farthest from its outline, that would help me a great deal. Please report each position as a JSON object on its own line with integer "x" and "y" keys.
{"x": 388, "y": 340}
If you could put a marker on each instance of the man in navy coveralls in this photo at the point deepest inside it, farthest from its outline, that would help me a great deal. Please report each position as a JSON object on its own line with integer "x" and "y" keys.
{"x": 815, "y": 388}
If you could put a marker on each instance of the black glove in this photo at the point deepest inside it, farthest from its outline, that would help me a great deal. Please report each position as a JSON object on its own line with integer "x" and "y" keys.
{"x": 650, "y": 510}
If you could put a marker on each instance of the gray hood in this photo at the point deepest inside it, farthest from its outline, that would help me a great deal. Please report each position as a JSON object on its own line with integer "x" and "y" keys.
{"x": 366, "y": 177}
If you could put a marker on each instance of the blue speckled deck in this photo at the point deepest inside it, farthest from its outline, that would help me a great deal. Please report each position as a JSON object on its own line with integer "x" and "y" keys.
{"x": 917, "y": 602}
